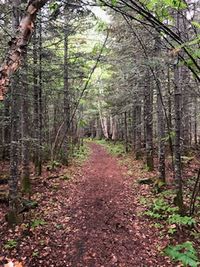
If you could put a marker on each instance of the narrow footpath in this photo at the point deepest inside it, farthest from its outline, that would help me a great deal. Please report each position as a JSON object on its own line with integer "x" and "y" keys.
{"x": 93, "y": 221}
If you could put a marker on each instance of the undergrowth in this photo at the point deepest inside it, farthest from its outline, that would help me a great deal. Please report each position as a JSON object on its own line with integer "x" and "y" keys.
{"x": 167, "y": 219}
{"x": 82, "y": 153}
{"x": 79, "y": 155}
{"x": 114, "y": 148}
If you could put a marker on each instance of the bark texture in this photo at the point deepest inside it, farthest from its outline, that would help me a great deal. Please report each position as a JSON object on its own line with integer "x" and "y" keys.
{"x": 18, "y": 44}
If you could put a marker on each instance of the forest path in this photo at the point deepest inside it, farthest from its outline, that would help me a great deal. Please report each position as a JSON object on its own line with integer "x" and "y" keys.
{"x": 91, "y": 220}
{"x": 103, "y": 227}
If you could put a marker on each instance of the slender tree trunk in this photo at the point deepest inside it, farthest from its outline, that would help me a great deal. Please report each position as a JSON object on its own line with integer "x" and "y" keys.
{"x": 195, "y": 122}
{"x": 177, "y": 129}
{"x": 161, "y": 139}
{"x": 134, "y": 129}
{"x": 6, "y": 127}
{"x": 169, "y": 96}
{"x": 177, "y": 141}
{"x": 138, "y": 132}
{"x": 66, "y": 95}
{"x": 98, "y": 129}
{"x": 14, "y": 145}
{"x": 160, "y": 116}
{"x": 26, "y": 186}
{"x": 185, "y": 110}
{"x": 114, "y": 128}
{"x": 126, "y": 131}
{"x": 37, "y": 88}
{"x": 148, "y": 122}
{"x": 35, "y": 103}
{"x": 40, "y": 137}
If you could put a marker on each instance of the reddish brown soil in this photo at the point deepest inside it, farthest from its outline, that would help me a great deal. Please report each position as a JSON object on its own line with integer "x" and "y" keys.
{"x": 92, "y": 221}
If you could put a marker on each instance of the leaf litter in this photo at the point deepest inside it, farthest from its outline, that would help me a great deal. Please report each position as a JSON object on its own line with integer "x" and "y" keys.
{"x": 91, "y": 220}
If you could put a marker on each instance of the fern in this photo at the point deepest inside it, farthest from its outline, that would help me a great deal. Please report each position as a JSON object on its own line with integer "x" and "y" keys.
{"x": 184, "y": 253}
{"x": 181, "y": 220}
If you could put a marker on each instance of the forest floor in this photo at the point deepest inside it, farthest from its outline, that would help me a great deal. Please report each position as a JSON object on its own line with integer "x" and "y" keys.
{"x": 88, "y": 216}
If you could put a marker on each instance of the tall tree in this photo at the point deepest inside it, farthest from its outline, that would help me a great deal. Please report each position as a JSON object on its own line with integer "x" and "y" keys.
{"x": 14, "y": 144}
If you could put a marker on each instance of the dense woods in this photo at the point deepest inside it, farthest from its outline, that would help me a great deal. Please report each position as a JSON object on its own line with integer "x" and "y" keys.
{"x": 77, "y": 72}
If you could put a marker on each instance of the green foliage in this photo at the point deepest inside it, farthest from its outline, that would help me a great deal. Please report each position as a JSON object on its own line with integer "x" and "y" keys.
{"x": 116, "y": 149}
{"x": 158, "y": 225}
{"x": 184, "y": 253}
{"x": 196, "y": 24}
{"x": 53, "y": 165}
{"x": 162, "y": 8}
{"x": 53, "y": 5}
{"x": 82, "y": 153}
{"x": 165, "y": 5}
{"x": 114, "y": 2}
{"x": 153, "y": 214}
{"x": 10, "y": 244}
{"x": 146, "y": 168}
{"x": 101, "y": 26}
{"x": 172, "y": 229}
{"x": 162, "y": 206}
{"x": 35, "y": 253}
{"x": 37, "y": 222}
{"x": 161, "y": 209}
{"x": 143, "y": 200}
{"x": 170, "y": 135}
{"x": 181, "y": 220}
{"x": 82, "y": 123}
{"x": 66, "y": 177}
{"x": 191, "y": 42}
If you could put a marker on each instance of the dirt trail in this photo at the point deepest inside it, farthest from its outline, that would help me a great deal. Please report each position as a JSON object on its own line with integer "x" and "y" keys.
{"x": 92, "y": 221}
{"x": 105, "y": 230}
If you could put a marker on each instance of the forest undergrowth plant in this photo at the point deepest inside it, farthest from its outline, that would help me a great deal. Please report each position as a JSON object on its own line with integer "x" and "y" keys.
{"x": 37, "y": 222}
{"x": 10, "y": 244}
{"x": 53, "y": 165}
{"x": 184, "y": 253}
{"x": 163, "y": 209}
{"x": 114, "y": 148}
{"x": 82, "y": 153}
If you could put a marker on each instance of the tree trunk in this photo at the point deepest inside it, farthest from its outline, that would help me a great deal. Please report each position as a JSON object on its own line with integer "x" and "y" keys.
{"x": 177, "y": 127}
{"x": 40, "y": 98}
{"x": 126, "y": 131}
{"x": 6, "y": 127}
{"x": 14, "y": 145}
{"x": 66, "y": 95}
{"x": 26, "y": 186}
{"x": 148, "y": 122}
{"x": 185, "y": 110}
{"x": 160, "y": 116}
{"x": 177, "y": 141}
{"x": 138, "y": 132}
{"x": 37, "y": 88}
{"x": 195, "y": 122}
{"x": 19, "y": 42}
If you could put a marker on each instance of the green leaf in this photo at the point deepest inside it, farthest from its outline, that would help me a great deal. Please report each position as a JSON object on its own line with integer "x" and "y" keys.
{"x": 53, "y": 6}
{"x": 82, "y": 123}
{"x": 10, "y": 244}
{"x": 114, "y": 2}
{"x": 184, "y": 253}
{"x": 196, "y": 24}
{"x": 37, "y": 222}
